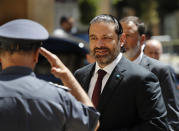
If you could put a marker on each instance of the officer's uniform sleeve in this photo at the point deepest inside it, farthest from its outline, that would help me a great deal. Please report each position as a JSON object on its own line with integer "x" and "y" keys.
{"x": 79, "y": 117}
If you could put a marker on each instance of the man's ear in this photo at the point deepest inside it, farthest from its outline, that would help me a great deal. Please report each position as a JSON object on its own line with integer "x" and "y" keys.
{"x": 143, "y": 38}
{"x": 122, "y": 42}
{"x": 122, "y": 39}
{"x": 36, "y": 57}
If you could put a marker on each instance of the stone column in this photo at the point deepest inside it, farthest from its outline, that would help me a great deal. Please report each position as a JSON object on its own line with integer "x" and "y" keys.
{"x": 41, "y": 11}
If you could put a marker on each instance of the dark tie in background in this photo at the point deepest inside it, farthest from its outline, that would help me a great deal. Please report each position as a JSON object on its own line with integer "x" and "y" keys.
{"x": 97, "y": 88}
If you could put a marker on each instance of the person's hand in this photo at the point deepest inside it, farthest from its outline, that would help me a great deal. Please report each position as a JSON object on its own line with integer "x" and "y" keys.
{"x": 61, "y": 71}
{"x": 58, "y": 69}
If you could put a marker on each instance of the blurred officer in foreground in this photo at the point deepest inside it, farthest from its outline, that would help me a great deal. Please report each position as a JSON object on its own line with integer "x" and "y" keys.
{"x": 28, "y": 103}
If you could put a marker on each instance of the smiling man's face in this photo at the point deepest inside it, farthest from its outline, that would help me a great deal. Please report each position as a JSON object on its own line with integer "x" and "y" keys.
{"x": 104, "y": 42}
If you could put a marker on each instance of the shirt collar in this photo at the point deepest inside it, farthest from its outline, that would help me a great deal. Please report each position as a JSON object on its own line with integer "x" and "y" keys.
{"x": 139, "y": 58}
{"x": 109, "y": 68}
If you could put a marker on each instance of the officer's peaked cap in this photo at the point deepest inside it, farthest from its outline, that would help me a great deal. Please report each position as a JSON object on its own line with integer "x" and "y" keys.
{"x": 23, "y": 30}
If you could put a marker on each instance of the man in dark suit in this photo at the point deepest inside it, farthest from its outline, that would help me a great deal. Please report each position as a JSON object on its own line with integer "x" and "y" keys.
{"x": 130, "y": 97}
{"x": 135, "y": 34}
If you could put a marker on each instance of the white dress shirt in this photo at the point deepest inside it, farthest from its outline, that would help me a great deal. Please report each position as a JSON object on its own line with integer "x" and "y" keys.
{"x": 109, "y": 68}
{"x": 139, "y": 58}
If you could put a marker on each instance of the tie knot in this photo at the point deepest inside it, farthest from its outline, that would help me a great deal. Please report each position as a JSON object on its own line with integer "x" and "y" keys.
{"x": 101, "y": 73}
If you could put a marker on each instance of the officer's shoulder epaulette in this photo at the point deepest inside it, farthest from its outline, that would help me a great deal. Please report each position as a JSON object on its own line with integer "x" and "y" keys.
{"x": 59, "y": 86}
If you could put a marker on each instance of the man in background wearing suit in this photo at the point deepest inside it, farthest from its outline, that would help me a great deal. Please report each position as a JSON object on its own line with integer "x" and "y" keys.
{"x": 153, "y": 48}
{"x": 130, "y": 98}
{"x": 135, "y": 37}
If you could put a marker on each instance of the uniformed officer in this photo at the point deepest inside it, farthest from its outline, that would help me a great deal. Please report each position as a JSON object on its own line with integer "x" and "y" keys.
{"x": 28, "y": 103}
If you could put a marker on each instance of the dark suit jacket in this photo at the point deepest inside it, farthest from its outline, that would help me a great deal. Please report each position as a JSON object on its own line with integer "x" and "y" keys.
{"x": 131, "y": 102}
{"x": 168, "y": 85}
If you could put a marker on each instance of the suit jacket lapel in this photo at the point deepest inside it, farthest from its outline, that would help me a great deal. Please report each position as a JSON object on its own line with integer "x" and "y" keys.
{"x": 87, "y": 77}
{"x": 112, "y": 83}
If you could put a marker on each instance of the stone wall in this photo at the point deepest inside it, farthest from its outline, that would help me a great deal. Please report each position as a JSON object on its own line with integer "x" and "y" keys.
{"x": 41, "y": 11}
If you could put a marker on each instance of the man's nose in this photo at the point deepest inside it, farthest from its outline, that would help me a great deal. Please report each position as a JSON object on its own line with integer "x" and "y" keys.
{"x": 100, "y": 43}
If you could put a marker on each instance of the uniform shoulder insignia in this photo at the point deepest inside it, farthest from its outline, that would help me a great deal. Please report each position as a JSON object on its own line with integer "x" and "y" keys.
{"x": 59, "y": 86}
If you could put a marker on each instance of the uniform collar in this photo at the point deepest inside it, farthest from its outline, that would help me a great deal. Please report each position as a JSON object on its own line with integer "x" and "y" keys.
{"x": 18, "y": 70}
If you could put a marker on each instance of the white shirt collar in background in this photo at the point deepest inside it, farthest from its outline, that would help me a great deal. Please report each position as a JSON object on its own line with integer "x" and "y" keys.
{"x": 139, "y": 58}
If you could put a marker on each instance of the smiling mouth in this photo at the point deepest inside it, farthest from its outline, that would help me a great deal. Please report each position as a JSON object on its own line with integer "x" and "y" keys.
{"x": 101, "y": 51}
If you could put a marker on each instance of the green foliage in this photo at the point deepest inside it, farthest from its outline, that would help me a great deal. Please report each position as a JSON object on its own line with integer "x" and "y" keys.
{"x": 163, "y": 6}
{"x": 88, "y": 10}
{"x": 114, "y": 2}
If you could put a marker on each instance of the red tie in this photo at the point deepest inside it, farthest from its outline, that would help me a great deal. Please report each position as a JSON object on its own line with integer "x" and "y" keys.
{"x": 97, "y": 88}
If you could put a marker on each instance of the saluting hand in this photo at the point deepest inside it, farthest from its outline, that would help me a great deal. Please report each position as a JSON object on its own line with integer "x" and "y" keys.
{"x": 61, "y": 71}
{"x": 58, "y": 69}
